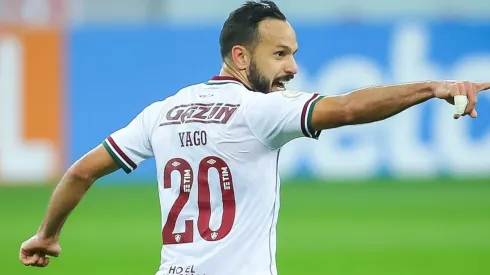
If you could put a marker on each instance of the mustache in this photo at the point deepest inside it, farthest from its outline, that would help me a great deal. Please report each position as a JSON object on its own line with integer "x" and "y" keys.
{"x": 285, "y": 78}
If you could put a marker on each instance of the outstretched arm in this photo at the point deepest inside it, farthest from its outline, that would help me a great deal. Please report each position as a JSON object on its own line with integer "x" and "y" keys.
{"x": 377, "y": 103}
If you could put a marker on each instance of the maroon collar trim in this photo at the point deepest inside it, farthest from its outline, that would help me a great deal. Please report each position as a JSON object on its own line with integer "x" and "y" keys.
{"x": 216, "y": 80}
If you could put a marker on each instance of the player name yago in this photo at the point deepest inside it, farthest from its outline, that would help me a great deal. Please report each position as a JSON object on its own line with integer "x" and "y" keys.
{"x": 216, "y": 113}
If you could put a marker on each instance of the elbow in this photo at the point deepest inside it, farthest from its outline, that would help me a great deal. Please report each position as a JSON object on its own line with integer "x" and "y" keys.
{"x": 345, "y": 112}
{"x": 80, "y": 174}
{"x": 334, "y": 112}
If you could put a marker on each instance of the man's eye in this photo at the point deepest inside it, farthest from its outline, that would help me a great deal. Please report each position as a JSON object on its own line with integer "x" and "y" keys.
{"x": 280, "y": 54}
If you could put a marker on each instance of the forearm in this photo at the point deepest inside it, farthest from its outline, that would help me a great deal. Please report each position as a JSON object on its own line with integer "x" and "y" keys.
{"x": 369, "y": 104}
{"x": 73, "y": 186}
{"x": 378, "y": 103}
{"x": 65, "y": 198}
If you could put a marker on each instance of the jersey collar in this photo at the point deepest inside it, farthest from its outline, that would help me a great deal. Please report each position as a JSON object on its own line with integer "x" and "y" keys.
{"x": 218, "y": 80}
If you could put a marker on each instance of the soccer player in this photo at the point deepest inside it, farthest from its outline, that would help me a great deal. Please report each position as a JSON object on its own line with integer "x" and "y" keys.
{"x": 216, "y": 147}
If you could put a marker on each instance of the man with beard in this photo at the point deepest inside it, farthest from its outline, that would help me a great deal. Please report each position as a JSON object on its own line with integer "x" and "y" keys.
{"x": 216, "y": 147}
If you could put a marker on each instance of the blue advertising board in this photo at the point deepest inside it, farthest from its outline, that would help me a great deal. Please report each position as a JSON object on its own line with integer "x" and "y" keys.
{"x": 114, "y": 72}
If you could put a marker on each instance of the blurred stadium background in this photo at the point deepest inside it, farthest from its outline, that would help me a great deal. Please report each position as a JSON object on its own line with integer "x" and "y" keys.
{"x": 409, "y": 195}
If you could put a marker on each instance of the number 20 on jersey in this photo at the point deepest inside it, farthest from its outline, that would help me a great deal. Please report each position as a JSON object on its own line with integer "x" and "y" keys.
{"x": 187, "y": 182}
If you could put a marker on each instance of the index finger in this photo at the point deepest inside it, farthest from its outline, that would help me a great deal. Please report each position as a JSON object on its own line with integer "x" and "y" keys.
{"x": 471, "y": 95}
{"x": 22, "y": 256}
{"x": 26, "y": 252}
{"x": 482, "y": 86}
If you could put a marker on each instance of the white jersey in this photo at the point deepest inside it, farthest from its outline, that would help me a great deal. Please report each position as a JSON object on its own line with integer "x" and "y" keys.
{"x": 216, "y": 147}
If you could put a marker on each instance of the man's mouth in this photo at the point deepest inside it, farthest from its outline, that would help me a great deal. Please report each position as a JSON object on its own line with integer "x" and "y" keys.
{"x": 279, "y": 85}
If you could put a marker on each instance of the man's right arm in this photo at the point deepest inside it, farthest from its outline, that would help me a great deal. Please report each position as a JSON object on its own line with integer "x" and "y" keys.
{"x": 72, "y": 187}
{"x": 125, "y": 148}
{"x": 378, "y": 103}
{"x": 69, "y": 192}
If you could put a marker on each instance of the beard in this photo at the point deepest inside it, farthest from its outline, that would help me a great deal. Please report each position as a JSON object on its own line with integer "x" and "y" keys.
{"x": 262, "y": 84}
{"x": 257, "y": 80}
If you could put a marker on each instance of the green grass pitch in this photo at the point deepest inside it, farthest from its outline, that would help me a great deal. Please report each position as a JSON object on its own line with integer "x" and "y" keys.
{"x": 438, "y": 227}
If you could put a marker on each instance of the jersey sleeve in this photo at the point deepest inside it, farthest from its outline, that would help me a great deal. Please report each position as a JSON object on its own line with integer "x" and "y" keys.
{"x": 131, "y": 145}
{"x": 279, "y": 117}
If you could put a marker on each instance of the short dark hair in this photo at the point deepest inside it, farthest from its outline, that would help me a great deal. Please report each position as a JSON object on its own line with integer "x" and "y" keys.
{"x": 241, "y": 26}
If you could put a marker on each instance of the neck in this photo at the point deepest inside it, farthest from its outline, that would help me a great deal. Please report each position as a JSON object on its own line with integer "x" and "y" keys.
{"x": 227, "y": 71}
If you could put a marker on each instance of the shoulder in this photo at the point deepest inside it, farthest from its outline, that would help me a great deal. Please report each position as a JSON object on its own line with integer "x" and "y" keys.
{"x": 278, "y": 98}
{"x": 157, "y": 106}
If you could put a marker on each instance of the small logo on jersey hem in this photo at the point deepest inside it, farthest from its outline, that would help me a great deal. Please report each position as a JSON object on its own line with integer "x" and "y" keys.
{"x": 215, "y": 113}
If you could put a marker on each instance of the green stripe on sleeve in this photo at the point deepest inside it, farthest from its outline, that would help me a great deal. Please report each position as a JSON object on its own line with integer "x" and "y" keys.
{"x": 116, "y": 158}
{"x": 309, "y": 115}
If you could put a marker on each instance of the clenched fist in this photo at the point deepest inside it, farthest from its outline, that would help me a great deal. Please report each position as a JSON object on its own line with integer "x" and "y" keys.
{"x": 35, "y": 251}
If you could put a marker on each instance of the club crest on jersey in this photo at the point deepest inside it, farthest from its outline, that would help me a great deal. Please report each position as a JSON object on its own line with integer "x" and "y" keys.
{"x": 217, "y": 113}
{"x": 178, "y": 237}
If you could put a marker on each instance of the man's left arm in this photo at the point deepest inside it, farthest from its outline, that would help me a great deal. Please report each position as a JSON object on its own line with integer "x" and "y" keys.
{"x": 373, "y": 104}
